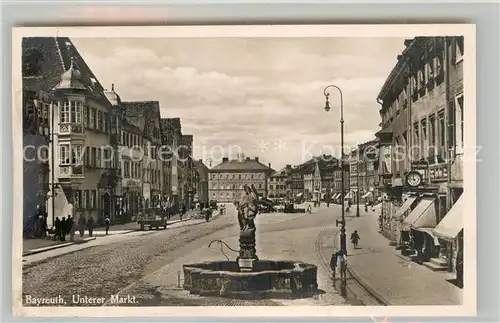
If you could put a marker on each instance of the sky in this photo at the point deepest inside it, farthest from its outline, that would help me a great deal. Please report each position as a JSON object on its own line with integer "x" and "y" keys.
{"x": 262, "y": 97}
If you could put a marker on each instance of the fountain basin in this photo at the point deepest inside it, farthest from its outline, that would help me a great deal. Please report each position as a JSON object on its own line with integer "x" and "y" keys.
{"x": 276, "y": 279}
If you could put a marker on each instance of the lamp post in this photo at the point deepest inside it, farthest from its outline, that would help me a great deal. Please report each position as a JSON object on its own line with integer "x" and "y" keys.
{"x": 343, "y": 243}
{"x": 357, "y": 185}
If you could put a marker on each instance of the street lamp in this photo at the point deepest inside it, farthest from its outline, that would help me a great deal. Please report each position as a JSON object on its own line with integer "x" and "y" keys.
{"x": 357, "y": 185}
{"x": 343, "y": 242}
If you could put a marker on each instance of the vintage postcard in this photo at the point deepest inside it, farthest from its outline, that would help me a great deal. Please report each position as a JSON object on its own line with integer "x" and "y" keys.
{"x": 245, "y": 171}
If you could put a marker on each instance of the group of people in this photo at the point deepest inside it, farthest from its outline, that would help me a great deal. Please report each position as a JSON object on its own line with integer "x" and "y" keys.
{"x": 340, "y": 257}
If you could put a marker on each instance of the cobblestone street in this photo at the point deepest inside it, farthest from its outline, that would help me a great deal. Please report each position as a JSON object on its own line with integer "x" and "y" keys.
{"x": 149, "y": 265}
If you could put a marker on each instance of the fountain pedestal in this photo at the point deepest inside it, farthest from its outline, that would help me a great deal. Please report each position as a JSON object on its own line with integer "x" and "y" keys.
{"x": 247, "y": 256}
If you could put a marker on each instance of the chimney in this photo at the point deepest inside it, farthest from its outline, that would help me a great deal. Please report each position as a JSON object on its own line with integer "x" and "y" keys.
{"x": 112, "y": 87}
{"x": 257, "y": 159}
{"x": 247, "y": 158}
{"x": 269, "y": 165}
{"x": 225, "y": 159}
{"x": 288, "y": 166}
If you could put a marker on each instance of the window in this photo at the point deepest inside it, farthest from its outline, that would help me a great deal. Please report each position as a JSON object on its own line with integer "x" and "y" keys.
{"x": 64, "y": 155}
{"x": 126, "y": 170}
{"x": 85, "y": 115}
{"x": 98, "y": 117}
{"x": 93, "y": 199}
{"x": 432, "y": 131}
{"x": 98, "y": 158}
{"x": 76, "y": 154}
{"x": 459, "y": 49}
{"x": 77, "y": 199}
{"x": 460, "y": 118}
{"x": 451, "y": 124}
{"x": 105, "y": 122}
{"x": 92, "y": 118}
{"x": 234, "y": 176}
{"x": 94, "y": 157}
{"x": 239, "y": 176}
{"x": 64, "y": 114}
{"x": 76, "y": 111}
{"x": 86, "y": 199}
{"x": 437, "y": 65}
{"x": 442, "y": 129}
{"x": 260, "y": 186}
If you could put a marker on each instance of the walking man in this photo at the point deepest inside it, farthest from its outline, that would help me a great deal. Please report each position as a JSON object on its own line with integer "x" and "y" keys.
{"x": 333, "y": 264}
{"x": 90, "y": 225}
{"x": 107, "y": 222}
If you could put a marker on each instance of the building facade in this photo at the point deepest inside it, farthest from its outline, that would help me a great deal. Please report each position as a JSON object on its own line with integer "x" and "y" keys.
{"x": 354, "y": 193}
{"x": 228, "y": 178}
{"x": 202, "y": 194}
{"x": 422, "y": 131}
{"x": 82, "y": 171}
{"x": 277, "y": 183}
{"x": 368, "y": 170}
{"x": 145, "y": 115}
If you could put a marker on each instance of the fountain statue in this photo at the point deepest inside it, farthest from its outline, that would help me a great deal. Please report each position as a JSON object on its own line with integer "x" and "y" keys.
{"x": 247, "y": 211}
{"x": 248, "y": 277}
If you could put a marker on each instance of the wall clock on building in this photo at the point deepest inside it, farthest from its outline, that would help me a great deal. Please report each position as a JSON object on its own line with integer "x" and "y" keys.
{"x": 414, "y": 179}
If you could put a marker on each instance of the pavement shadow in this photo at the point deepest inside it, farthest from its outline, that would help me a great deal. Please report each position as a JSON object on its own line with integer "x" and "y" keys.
{"x": 455, "y": 282}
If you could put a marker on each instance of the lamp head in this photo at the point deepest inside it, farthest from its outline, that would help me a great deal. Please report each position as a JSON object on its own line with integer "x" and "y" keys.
{"x": 327, "y": 105}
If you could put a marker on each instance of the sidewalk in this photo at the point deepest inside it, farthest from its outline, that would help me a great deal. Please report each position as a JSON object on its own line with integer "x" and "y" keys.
{"x": 394, "y": 280}
{"x": 34, "y": 246}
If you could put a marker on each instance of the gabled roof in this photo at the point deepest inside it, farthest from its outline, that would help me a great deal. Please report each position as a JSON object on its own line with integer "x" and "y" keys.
{"x": 243, "y": 165}
{"x": 282, "y": 172}
{"x": 46, "y": 59}
{"x": 143, "y": 114}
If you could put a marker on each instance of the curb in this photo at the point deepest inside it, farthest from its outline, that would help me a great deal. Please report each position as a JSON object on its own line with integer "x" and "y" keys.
{"x": 57, "y": 246}
{"x": 367, "y": 287}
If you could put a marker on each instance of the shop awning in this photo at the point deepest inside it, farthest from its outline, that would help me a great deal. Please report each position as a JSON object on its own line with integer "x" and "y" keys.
{"x": 366, "y": 195}
{"x": 335, "y": 196}
{"x": 429, "y": 231}
{"x": 348, "y": 195}
{"x": 300, "y": 194}
{"x": 422, "y": 216}
{"x": 404, "y": 208}
{"x": 323, "y": 195}
{"x": 451, "y": 225}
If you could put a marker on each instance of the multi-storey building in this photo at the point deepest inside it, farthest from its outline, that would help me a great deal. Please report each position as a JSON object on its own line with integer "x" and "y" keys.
{"x": 228, "y": 178}
{"x": 36, "y": 127}
{"x": 146, "y": 116}
{"x": 368, "y": 170}
{"x": 277, "y": 183}
{"x": 354, "y": 190}
{"x": 422, "y": 131}
{"x": 171, "y": 139}
{"x": 203, "y": 173}
{"x": 83, "y": 173}
{"x": 131, "y": 160}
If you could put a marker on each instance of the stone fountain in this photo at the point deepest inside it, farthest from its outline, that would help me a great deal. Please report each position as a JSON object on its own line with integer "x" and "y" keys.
{"x": 248, "y": 277}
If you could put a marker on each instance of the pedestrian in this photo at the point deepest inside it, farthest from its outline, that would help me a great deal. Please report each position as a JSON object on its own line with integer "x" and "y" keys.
{"x": 355, "y": 239}
{"x": 333, "y": 264}
{"x": 57, "y": 228}
{"x": 69, "y": 224}
{"x": 72, "y": 230}
{"x": 366, "y": 206}
{"x": 107, "y": 222}
{"x": 62, "y": 229}
{"x": 183, "y": 211}
{"x": 90, "y": 225}
{"x": 81, "y": 225}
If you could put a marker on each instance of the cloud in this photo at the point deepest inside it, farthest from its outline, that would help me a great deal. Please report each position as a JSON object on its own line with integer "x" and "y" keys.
{"x": 237, "y": 92}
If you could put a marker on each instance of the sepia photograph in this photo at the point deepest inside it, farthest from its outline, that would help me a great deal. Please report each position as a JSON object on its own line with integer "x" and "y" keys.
{"x": 275, "y": 167}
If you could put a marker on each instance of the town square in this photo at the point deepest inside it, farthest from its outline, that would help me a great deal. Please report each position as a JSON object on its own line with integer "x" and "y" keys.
{"x": 245, "y": 172}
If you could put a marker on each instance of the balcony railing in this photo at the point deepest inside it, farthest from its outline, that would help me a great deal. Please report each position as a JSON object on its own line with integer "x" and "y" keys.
{"x": 71, "y": 171}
